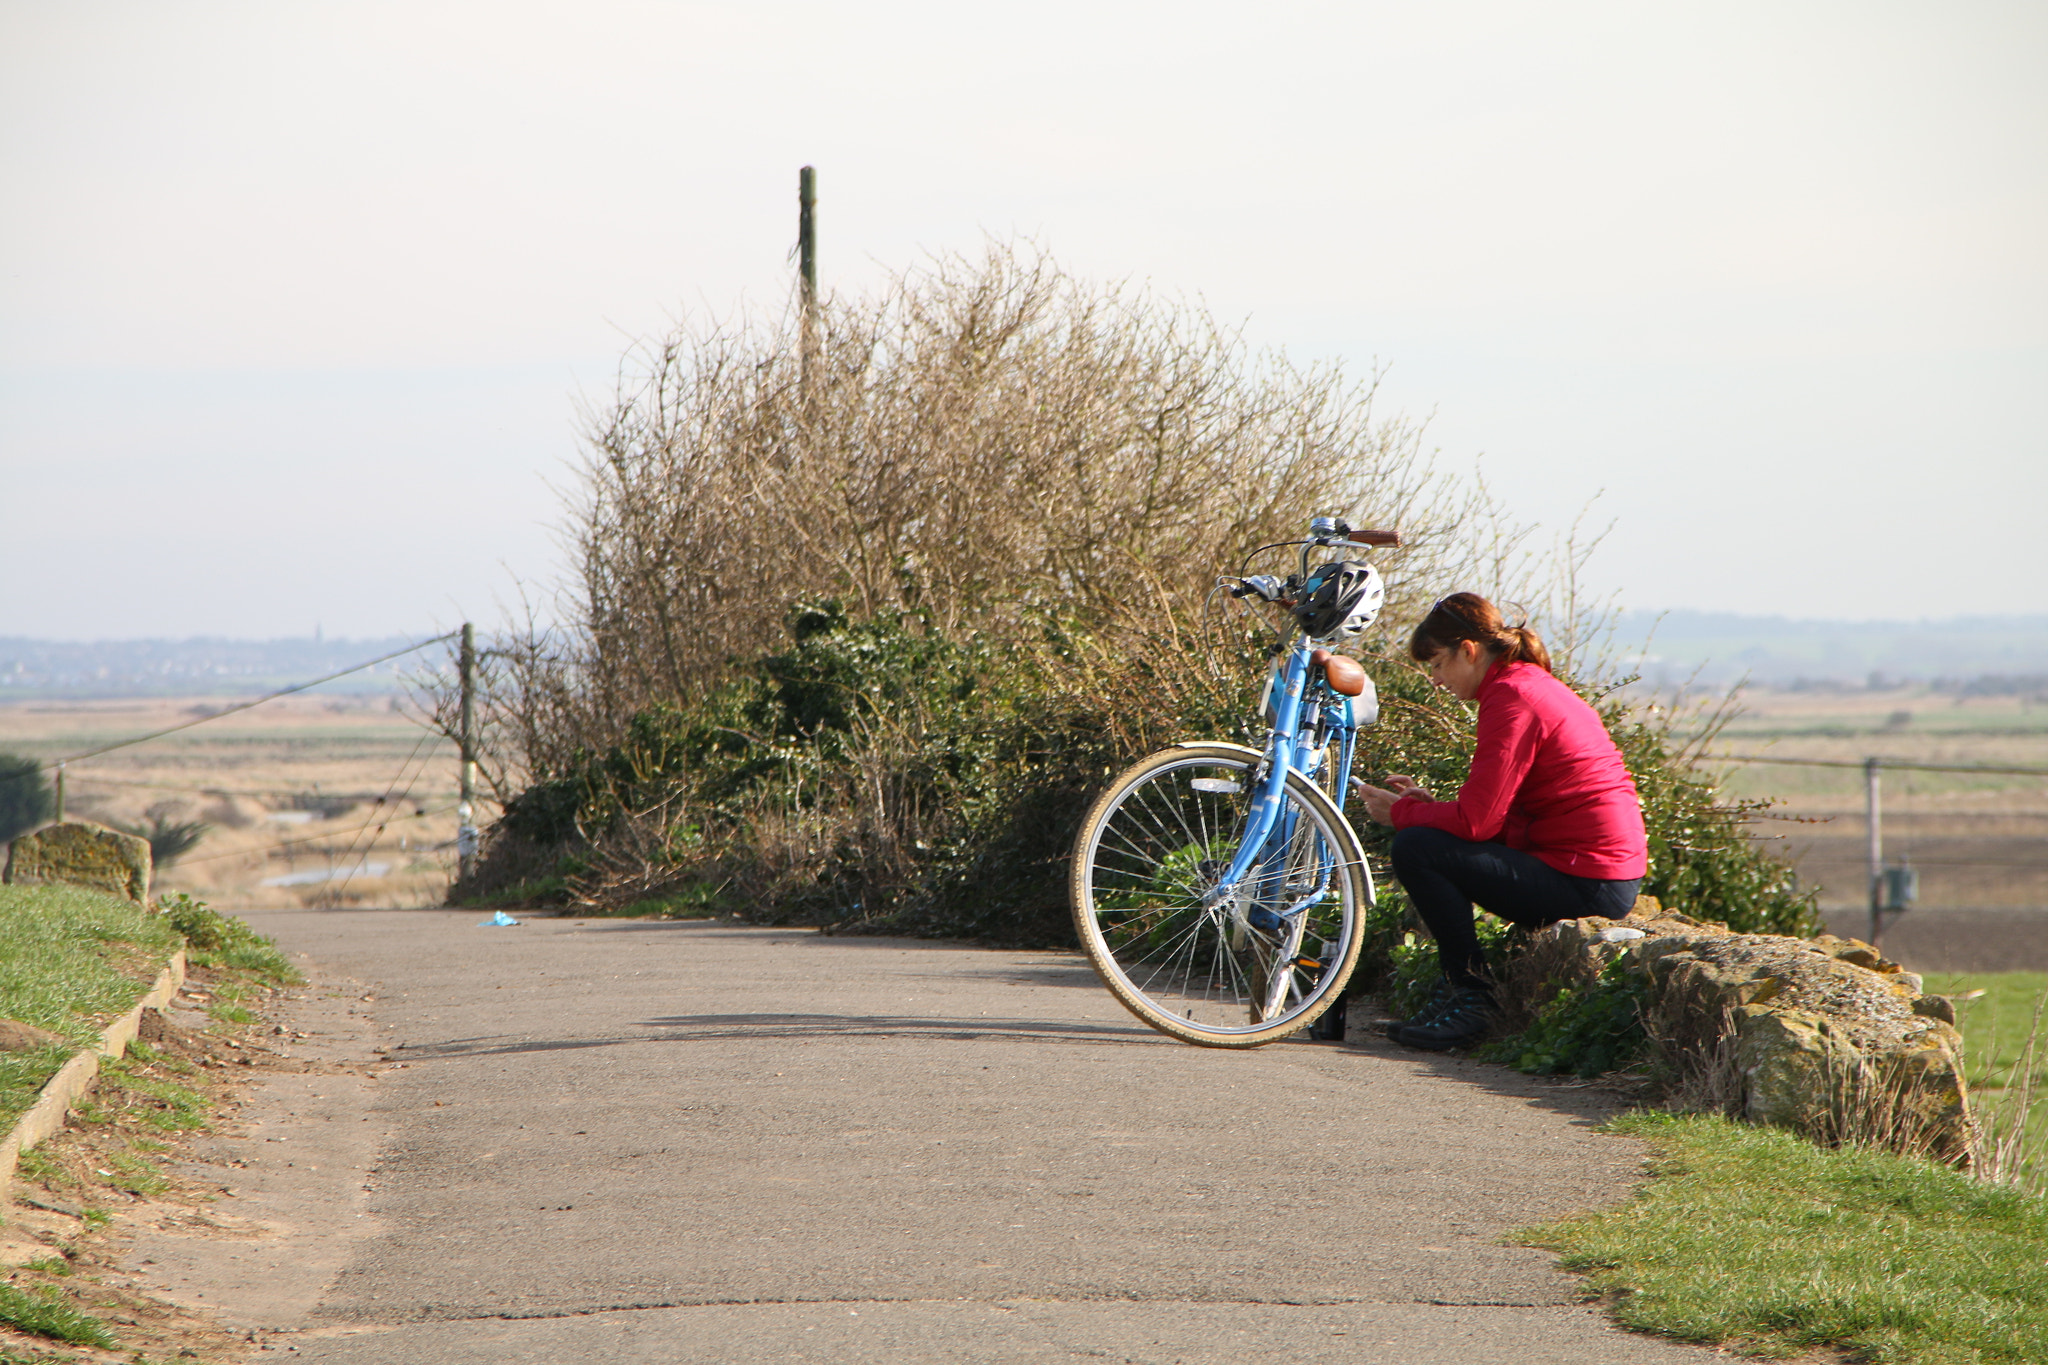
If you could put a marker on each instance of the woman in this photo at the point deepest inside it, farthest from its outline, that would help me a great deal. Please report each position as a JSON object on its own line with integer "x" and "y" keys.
{"x": 1547, "y": 826}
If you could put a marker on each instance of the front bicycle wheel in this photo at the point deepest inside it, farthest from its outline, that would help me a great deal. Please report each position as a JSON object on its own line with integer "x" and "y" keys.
{"x": 1234, "y": 971}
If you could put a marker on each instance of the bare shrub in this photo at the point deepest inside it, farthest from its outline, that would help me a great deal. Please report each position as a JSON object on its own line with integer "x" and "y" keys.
{"x": 1041, "y": 475}
{"x": 978, "y": 444}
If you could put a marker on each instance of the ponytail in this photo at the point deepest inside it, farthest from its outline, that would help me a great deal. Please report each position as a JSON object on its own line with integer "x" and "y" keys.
{"x": 1466, "y": 616}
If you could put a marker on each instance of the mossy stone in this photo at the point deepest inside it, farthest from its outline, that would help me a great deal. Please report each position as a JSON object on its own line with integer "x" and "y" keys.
{"x": 80, "y": 853}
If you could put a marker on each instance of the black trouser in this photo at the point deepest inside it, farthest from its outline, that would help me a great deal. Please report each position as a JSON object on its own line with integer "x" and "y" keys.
{"x": 1444, "y": 875}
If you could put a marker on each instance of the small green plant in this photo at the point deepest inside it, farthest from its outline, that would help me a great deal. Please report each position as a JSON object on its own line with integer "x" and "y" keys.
{"x": 34, "y": 1165}
{"x": 95, "y": 1219}
{"x": 49, "y": 1265}
{"x": 1587, "y": 1031}
{"x": 224, "y": 1013}
{"x": 217, "y": 940}
{"x": 137, "y": 1175}
{"x": 164, "y": 1105}
{"x": 46, "y": 1313}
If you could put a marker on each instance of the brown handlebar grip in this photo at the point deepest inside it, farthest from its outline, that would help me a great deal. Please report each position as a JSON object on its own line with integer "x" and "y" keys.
{"x": 1375, "y": 537}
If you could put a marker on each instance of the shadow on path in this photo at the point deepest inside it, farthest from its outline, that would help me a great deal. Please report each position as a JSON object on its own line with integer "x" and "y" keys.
{"x": 1588, "y": 1104}
{"x": 712, "y": 1028}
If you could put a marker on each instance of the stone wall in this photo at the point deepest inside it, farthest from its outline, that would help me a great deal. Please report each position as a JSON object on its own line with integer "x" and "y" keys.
{"x": 1821, "y": 1035}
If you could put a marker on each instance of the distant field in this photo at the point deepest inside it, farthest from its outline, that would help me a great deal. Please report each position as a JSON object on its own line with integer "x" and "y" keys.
{"x": 1979, "y": 840}
{"x": 291, "y": 789}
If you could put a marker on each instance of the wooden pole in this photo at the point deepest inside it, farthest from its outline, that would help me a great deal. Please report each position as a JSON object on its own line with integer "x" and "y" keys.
{"x": 1875, "y": 817}
{"x": 807, "y": 271}
{"x": 807, "y": 235}
{"x": 465, "y": 834}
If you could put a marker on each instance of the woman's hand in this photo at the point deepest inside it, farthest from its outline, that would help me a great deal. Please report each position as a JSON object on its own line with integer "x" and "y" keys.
{"x": 1379, "y": 801}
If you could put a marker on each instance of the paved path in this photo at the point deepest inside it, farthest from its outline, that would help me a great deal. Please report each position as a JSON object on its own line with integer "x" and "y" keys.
{"x": 646, "y": 1141}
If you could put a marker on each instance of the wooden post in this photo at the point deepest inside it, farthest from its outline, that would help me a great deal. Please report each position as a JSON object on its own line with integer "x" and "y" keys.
{"x": 807, "y": 271}
{"x": 60, "y": 793}
{"x": 1874, "y": 815}
{"x": 465, "y": 834}
{"x": 807, "y": 235}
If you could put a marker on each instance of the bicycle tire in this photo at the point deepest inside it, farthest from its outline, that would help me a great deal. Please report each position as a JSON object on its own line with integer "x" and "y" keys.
{"x": 1140, "y": 860}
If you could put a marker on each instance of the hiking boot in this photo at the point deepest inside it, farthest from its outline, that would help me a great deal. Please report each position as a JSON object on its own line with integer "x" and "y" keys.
{"x": 1440, "y": 996}
{"x": 1464, "y": 1020}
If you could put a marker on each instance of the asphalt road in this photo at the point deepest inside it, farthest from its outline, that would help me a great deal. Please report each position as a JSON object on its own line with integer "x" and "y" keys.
{"x": 649, "y": 1141}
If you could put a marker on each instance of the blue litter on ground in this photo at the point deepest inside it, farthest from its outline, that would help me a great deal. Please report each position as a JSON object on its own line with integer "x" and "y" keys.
{"x": 500, "y": 918}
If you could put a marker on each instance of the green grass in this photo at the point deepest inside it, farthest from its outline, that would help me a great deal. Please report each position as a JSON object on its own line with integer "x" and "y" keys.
{"x": 71, "y": 960}
{"x": 1996, "y": 1029}
{"x": 164, "y": 1105}
{"x": 223, "y": 942}
{"x": 1756, "y": 1238}
{"x": 35, "y": 1165}
{"x": 46, "y": 1314}
{"x": 138, "y": 1175}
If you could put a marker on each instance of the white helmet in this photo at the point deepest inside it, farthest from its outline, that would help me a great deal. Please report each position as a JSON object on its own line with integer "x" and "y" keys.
{"x": 1339, "y": 599}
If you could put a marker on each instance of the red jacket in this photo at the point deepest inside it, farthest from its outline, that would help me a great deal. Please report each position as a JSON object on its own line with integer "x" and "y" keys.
{"x": 1546, "y": 779}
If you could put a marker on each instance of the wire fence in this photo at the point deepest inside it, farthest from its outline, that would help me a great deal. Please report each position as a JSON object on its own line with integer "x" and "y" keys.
{"x": 1822, "y": 865}
{"x": 239, "y": 707}
{"x": 1863, "y": 764}
{"x": 396, "y": 793}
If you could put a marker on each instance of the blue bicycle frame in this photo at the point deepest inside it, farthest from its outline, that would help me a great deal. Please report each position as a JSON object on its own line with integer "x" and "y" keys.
{"x": 1307, "y": 716}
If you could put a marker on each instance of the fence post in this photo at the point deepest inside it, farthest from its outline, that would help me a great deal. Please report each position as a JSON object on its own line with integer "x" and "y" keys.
{"x": 465, "y": 834}
{"x": 1875, "y": 818}
{"x": 60, "y": 793}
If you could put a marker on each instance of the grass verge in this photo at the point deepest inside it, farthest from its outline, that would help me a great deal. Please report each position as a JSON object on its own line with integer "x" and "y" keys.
{"x": 224, "y": 942}
{"x": 71, "y": 960}
{"x": 119, "y": 1164}
{"x": 2008, "y": 1064}
{"x": 1756, "y": 1238}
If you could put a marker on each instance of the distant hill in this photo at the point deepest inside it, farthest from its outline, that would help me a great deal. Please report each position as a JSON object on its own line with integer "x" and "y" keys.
{"x": 202, "y": 667}
{"x": 1666, "y": 648}
{"x": 1780, "y": 651}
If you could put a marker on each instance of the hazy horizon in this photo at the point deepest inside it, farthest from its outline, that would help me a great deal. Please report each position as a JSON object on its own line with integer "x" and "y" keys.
{"x": 1706, "y": 648}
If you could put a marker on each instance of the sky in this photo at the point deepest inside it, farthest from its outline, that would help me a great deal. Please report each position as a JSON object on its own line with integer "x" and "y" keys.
{"x": 298, "y": 302}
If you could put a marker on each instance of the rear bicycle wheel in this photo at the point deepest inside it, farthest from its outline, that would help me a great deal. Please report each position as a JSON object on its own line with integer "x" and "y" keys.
{"x": 1251, "y": 967}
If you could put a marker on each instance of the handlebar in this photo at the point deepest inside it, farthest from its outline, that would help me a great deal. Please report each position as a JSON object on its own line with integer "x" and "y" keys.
{"x": 1337, "y": 531}
{"x": 1324, "y": 532}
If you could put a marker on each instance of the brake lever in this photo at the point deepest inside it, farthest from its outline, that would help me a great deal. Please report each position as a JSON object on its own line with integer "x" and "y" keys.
{"x": 1262, "y": 585}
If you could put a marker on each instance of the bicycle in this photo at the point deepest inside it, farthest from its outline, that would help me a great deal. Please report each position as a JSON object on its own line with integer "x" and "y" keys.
{"x": 1218, "y": 889}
